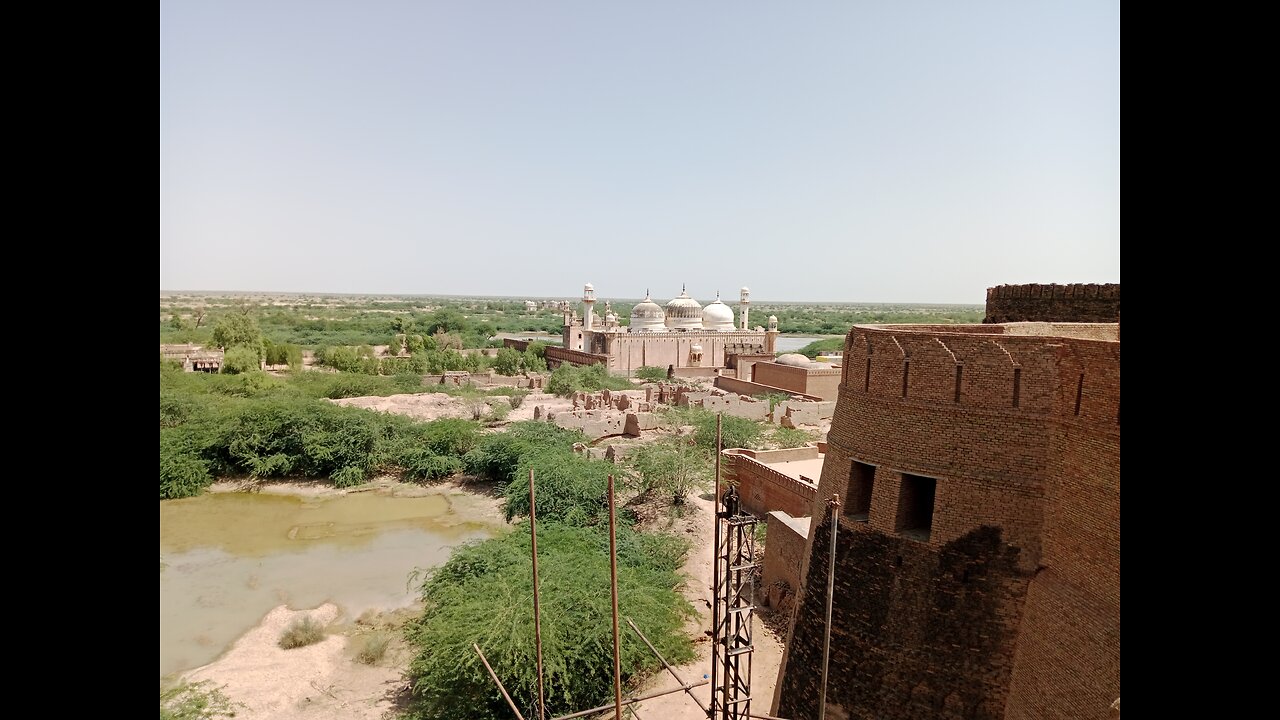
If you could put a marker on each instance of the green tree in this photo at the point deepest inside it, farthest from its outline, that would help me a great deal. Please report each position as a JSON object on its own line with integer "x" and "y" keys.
{"x": 651, "y": 373}
{"x": 240, "y": 359}
{"x": 238, "y": 329}
{"x": 507, "y": 362}
{"x": 676, "y": 467}
{"x": 446, "y": 320}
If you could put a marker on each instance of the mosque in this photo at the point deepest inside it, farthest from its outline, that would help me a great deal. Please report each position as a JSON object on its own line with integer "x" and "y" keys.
{"x": 685, "y": 336}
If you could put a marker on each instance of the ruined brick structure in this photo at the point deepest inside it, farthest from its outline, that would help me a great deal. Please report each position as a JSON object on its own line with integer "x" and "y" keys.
{"x": 1061, "y": 303}
{"x": 978, "y": 563}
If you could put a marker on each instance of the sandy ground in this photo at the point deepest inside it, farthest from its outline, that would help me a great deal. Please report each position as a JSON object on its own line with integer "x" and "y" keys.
{"x": 324, "y": 681}
{"x": 433, "y": 406}
{"x": 316, "y": 682}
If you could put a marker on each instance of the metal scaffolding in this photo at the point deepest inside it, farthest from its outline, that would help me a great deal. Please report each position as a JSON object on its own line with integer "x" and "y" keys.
{"x": 733, "y": 612}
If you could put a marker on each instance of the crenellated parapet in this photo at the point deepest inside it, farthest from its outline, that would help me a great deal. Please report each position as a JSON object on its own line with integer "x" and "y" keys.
{"x": 1077, "y": 302}
{"x": 1069, "y": 370}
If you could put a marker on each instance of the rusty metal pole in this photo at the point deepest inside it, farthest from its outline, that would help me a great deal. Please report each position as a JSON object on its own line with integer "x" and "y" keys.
{"x": 613, "y": 586}
{"x": 833, "y": 506}
{"x": 687, "y": 687}
{"x": 494, "y": 675}
{"x": 537, "y": 613}
{"x": 715, "y": 575}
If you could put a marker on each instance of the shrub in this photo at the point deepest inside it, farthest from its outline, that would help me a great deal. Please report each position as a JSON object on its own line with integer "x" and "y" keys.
{"x": 651, "y": 373}
{"x": 348, "y": 476}
{"x": 568, "y": 379}
{"x": 675, "y": 467}
{"x": 301, "y": 632}
{"x": 240, "y": 359}
{"x": 785, "y": 437}
{"x": 497, "y": 456}
{"x": 374, "y": 647}
{"x": 507, "y": 362}
{"x": 569, "y": 487}
{"x": 480, "y": 595}
{"x": 196, "y": 701}
{"x": 426, "y": 465}
{"x": 451, "y": 436}
{"x": 183, "y": 473}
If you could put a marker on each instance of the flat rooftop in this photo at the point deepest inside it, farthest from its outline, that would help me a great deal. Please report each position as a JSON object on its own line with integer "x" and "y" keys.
{"x": 811, "y": 470}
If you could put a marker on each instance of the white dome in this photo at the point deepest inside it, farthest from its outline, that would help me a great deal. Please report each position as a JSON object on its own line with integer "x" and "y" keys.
{"x": 588, "y": 286}
{"x": 647, "y": 316}
{"x": 717, "y": 316}
{"x": 684, "y": 313}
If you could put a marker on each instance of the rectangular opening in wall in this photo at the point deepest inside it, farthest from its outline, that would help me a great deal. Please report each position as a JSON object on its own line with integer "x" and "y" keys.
{"x": 1017, "y": 385}
{"x": 857, "y": 505}
{"x": 866, "y": 379}
{"x": 959, "y": 378}
{"x": 906, "y": 373}
{"x": 915, "y": 507}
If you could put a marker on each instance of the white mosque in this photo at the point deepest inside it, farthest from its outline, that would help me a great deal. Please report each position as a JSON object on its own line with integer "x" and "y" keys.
{"x": 683, "y": 335}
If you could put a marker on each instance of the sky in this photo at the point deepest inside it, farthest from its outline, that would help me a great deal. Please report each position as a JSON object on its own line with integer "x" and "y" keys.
{"x": 814, "y": 151}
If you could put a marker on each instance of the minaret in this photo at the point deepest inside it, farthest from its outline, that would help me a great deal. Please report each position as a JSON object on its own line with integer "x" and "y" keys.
{"x": 771, "y": 335}
{"x": 588, "y": 299}
{"x": 744, "y": 302}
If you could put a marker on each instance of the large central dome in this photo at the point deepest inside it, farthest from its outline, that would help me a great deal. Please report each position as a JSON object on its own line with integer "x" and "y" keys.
{"x": 684, "y": 313}
{"x": 717, "y": 316}
{"x": 647, "y": 316}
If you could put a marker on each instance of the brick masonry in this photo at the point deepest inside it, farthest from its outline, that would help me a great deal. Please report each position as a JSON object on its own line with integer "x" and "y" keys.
{"x": 1006, "y": 604}
{"x": 1065, "y": 303}
{"x": 763, "y": 489}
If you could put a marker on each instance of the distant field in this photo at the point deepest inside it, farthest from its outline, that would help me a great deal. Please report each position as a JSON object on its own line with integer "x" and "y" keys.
{"x": 319, "y": 319}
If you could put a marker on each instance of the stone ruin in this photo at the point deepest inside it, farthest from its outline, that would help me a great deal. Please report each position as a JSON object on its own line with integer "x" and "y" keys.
{"x": 789, "y": 413}
{"x": 613, "y": 412}
{"x": 608, "y": 412}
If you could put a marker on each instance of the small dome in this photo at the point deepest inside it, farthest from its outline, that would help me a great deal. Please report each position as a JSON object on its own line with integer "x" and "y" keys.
{"x": 588, "y": 286}
{"x": 795, "y": 359}
{"x": 798, "y": 360}
{"x": 647, "y": 316}
{"x": 717, "y": 316}
{"x": 684, "y": 313}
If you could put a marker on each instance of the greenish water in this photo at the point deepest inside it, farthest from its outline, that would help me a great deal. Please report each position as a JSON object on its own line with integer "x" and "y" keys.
{"x": 226, "y": 559}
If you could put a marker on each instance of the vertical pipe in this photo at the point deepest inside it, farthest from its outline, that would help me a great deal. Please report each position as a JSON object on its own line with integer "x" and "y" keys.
{"x": 832, "y": 506}
{"x": 715, "y": 576}
{"x": 613, "y": 586}
{"x": 537, "y": 613}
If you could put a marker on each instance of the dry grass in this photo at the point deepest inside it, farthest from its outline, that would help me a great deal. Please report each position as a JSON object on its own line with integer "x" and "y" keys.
{"x": 301, "y": 632}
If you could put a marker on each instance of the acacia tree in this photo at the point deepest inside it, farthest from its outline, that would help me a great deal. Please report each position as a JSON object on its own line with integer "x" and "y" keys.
{"x": 676, "y": 467}
{"x": 238, "y": 329}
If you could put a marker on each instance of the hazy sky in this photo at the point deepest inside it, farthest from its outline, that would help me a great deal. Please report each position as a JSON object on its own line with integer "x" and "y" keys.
{"x": 843, "y": 151}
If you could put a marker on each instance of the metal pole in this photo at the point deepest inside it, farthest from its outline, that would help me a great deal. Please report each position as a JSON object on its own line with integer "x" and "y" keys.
{"x": 715, "y": 576}
{"x": 613, "y": 586}
{"x": 628, "y": 701}
{"x": 667, "y": 665}
{"x": 833, "y": 506}
{"x": 537, "y": 614}
{"x": 494, "y": 675}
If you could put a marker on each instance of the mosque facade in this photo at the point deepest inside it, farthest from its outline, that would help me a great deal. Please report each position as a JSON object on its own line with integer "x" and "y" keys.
{"x": 684, "y": 336}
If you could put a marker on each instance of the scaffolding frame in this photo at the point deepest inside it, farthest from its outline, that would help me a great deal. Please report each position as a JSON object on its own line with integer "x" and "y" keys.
{"x": 733, "y": 609}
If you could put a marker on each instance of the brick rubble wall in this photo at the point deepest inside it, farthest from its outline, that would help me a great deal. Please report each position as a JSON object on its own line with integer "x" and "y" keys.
{"x": 1066, "y": 303}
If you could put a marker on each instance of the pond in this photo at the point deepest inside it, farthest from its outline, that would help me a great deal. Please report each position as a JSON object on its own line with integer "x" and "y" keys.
{"x": 226, "y": 559}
